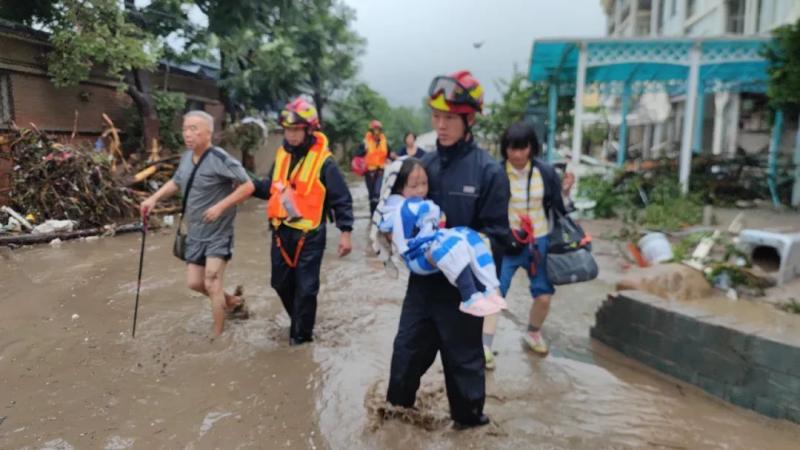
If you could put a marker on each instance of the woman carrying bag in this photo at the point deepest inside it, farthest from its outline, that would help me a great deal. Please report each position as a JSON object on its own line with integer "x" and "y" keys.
{"x": 537, "y": 193}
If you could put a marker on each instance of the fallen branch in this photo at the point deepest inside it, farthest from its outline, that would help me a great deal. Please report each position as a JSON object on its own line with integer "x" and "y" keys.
{"x": 17, "y": 216}
{"x": 28, "y": 239}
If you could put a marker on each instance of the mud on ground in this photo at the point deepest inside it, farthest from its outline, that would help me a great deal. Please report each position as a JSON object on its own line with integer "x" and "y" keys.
{"x": 84, "y": 383}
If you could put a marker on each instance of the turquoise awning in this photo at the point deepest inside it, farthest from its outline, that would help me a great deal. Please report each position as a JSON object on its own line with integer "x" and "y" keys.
{"x": 730, "y": 63}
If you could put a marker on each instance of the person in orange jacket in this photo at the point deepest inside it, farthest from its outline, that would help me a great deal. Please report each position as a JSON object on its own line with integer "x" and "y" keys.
{"x": 375, "y": 150}
{"x": 303, "y": 187}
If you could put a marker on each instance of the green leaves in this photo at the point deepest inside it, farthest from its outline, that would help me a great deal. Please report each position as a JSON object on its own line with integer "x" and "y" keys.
{"x": 498, "y": 115}
{"x": 361, "y": 104}
{"x": 783, "y": 55}
{"x": 95, "y": 34}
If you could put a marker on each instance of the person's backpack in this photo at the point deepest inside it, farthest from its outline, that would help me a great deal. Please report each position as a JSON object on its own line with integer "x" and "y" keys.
{"x": 569, "y": 257}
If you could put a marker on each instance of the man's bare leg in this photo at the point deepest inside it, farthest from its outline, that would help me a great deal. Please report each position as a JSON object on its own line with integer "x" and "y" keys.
{"x": 214, "y": 273}
{"x": 195, "y": 280}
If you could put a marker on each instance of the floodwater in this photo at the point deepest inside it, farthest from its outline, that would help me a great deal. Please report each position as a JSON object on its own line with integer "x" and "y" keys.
{"x": 72, "y": 377}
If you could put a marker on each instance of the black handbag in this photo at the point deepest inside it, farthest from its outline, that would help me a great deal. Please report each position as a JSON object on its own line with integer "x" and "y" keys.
{"x": 569, "y": 257}
{"x": 179, "y": 246}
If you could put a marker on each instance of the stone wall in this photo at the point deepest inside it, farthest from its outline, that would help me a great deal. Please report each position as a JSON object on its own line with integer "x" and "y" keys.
{"x": 732, "y": 363}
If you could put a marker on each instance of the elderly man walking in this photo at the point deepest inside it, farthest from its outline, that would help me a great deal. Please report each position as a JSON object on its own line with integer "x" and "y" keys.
{"x": 216, "y": 183}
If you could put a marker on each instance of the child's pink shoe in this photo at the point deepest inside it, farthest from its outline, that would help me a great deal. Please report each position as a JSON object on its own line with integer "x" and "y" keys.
{"x": 497, "y": 299}
{"x": 478, "y": 305}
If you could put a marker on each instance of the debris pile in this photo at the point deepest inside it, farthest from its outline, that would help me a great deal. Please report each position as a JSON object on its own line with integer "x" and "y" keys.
{"x": 51, "y": 180}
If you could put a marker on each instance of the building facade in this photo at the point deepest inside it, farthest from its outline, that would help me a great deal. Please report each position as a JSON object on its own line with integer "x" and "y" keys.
{"x": 730, "y": 121}
{"x": 641, "y": 18}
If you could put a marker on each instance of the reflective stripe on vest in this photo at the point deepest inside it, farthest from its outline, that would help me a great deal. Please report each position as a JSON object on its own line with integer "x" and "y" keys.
{"x": 376, "y": 151}
{"x": 305, "y": 180}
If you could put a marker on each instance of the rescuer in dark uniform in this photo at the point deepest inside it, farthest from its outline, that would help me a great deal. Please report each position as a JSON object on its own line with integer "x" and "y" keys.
{"x": 473, "y": 191}
{"x": 303, "y": 187}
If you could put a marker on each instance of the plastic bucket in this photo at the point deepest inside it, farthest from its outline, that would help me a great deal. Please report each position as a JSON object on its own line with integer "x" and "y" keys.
{"x": 655, "y": 248}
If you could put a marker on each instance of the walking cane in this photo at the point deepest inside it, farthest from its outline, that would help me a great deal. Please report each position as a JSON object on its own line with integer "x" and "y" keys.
{"x": 139, "y": 280}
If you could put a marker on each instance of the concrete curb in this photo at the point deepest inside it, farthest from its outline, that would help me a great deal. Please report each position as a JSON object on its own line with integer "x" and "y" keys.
{"x": 734, "y": 364}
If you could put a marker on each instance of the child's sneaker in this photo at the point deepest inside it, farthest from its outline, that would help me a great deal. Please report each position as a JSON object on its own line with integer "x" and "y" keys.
{"x": 478, "y": 305}
{"x": 497, "y": 299}
{"x": 536, "y": 343}
{"x": 489, "y": 356}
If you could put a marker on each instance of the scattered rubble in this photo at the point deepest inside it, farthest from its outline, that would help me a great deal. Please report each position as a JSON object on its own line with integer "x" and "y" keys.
{"x": 64, "y": 190}
{"x": 52, "y": 180}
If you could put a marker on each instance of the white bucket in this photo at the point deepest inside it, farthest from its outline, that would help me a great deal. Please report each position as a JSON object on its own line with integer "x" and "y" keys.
{"x": 655, "y": 248}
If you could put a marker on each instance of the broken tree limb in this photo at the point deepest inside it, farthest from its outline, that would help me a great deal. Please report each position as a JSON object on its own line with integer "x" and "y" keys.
{"x": 17, "y": 216}
{"x": 144, "y": 174}
{"x": 115, "y": 147}
{"x": 28, "y": 239}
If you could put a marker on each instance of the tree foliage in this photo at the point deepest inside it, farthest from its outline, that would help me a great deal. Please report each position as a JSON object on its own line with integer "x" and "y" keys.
{"x": 326, "y": 46}
{"x": 113, "y": 39}
{"x": 516, "y": 95}
{"x": 27, "y": 12}
{"x": 271, "y": 50}
{"x": 403, "y": 119}
{"x": 258, "y": 67}
{"x": 268, "y": 50}
{"x": 352, "y": 113}
{"x": 94, "y": 34}
{"x": 783, "y": 55}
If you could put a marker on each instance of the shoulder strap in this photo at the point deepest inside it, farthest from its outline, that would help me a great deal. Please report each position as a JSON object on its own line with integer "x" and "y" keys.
{"x": 189, "y": 185}
{"x": 528, "y": 191}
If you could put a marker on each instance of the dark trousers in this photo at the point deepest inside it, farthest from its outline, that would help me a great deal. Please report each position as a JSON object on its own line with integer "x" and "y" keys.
{"x": 298, "y": 287}
{"x": 373, "y": 178}
{"x": 430, "y": 322}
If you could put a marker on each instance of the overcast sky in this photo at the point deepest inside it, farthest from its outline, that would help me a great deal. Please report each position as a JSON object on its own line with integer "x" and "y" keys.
{"x": 411, "y": 41}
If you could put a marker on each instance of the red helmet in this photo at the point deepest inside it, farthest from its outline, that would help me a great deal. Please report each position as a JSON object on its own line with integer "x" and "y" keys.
{"x": 375, "y": 125}
{"x": 459, "y": 93}
{"x": 299, "y": 113}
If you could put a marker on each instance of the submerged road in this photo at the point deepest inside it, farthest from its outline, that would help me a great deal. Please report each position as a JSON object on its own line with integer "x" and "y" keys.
{"x": 71, "y": 376}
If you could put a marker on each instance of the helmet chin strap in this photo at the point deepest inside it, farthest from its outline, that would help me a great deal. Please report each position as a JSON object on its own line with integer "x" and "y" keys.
{"x": 467, "y": 127}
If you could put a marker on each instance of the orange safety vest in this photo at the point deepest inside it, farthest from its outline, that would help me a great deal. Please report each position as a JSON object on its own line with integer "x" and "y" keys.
{"x": 305, "y": 180}
{"x": 377, "y": 152}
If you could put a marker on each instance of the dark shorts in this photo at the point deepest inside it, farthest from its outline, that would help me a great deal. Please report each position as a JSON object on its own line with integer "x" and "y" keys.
{"x": 198, "y": 251}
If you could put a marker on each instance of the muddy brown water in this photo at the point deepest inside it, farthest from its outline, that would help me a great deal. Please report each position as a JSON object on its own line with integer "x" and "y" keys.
{"x": 80, "y": 381}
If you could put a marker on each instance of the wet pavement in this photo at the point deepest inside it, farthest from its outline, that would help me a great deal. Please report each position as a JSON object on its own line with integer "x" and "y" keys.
{"x": 72, "y": 377}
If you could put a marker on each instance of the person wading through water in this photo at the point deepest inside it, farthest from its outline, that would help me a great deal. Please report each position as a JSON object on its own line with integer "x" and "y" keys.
{"x": 219, "y": 183}
{"x": 537, "y": 193}
{"x": 375, "y": 150}
{"x": 303, "y": 187}
{"x": 472, "y": 191}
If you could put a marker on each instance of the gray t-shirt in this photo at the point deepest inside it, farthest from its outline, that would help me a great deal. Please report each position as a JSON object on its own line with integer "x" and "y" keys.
{"x": 216, "y": 178}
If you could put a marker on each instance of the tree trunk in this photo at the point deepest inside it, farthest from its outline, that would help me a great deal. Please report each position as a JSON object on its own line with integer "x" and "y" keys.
{"x": 140, "y": 89}
{"x": 319, "y": 103}
{"x": 225, "y": 94}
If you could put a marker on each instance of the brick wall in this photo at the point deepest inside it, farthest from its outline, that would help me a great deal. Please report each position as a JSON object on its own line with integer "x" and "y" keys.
{"x": 38, "y": 100}
{"x": 35, "y": 99}
{"x": 733, "y": 364}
